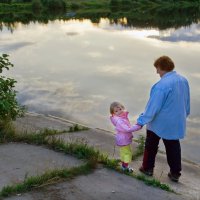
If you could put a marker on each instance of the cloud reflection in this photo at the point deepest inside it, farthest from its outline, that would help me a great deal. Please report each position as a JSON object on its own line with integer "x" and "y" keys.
{"x": 72, "y": 33}
{"x": 15, "y": 46}
{"x": 195, "y": 75}
{"x": 111, "y": 70}
{"x": 55, "y": 97}
{"x": 187, "y": 34}
{"x": 95, "y": 54}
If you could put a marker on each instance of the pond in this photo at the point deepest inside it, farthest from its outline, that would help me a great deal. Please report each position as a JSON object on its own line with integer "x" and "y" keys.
{"x": 75, "y": 68}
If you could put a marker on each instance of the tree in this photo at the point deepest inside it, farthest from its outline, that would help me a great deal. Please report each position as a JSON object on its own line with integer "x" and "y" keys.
{"x": 9, "y": 107}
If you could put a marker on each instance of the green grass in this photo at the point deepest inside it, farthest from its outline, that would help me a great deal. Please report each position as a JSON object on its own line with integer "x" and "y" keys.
{"x": 140, "y": 148}
{"x": 77, "y": 127}
{"x": 47, "y": 178}
{"x": 152, "y": 182}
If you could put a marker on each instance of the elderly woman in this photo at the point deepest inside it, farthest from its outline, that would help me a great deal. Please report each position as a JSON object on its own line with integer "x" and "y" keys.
{"x": 165, "y": 115}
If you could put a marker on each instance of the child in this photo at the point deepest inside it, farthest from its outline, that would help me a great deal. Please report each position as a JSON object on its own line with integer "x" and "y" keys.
{"x": 123, "y": 135}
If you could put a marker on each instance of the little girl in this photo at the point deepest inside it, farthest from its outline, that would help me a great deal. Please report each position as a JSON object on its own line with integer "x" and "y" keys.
{"x": 123, "y": 135}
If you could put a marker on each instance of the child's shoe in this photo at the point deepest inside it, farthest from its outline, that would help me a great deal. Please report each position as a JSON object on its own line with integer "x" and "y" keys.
{"x": 127, "y": 169}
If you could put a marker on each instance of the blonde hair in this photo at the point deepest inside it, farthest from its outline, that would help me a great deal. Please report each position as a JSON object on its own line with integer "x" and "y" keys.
{"x": 113, "y": 105}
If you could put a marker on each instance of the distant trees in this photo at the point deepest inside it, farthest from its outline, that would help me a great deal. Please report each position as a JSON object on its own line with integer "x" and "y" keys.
{"x": 51, "y": 5}
{"x": 15, "y": 1}
{"x": 54, "y": 4}
{"x": 36, "y": 5}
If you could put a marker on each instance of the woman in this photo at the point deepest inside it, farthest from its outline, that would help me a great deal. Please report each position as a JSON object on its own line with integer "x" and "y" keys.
{"x": 165, "y": 116}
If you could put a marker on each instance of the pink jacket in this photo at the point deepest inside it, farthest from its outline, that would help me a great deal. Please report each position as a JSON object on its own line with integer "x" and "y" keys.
{"x": 123, "y": 129}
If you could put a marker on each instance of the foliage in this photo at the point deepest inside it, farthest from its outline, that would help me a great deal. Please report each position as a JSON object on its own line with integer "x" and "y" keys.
{"x": 9, "y": 107}
{"x": 77, "y": 127}
{"x": 36, "y": 5}
{"x": 7, "y": 131}
{"x": 139, "y": 13}
{"x": 54, "y": 4}
{"x": 140, "y": 148}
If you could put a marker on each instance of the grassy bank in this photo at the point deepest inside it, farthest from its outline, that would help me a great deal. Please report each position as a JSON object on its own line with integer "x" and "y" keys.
{"x": 92, "y": 157}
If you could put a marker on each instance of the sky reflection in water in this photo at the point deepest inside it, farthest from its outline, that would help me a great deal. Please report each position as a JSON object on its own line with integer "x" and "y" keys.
{"x": 76, "y": 69}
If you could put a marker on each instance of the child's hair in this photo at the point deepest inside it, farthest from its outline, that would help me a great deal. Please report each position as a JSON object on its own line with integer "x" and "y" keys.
{"x": 113, "y": 105}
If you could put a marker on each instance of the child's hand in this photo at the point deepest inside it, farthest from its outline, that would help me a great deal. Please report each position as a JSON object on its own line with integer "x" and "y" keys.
{"x": 136, "y": 127}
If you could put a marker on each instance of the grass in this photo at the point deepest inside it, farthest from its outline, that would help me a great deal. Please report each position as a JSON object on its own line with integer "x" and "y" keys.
{"x": 77, "y": 127}
{"x": 153, "y": 182}
{"x": 140, "y": 148}
{"x": 80, "y": 150}
{"x": 47, "y": 178}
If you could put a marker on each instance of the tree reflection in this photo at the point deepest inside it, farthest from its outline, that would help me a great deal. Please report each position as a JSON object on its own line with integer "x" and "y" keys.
{"x": 161, "y": 18}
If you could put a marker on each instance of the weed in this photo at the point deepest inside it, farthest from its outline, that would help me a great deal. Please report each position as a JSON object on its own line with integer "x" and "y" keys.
{"x": 77, "y": 127}
{"x": 140, "y": 147}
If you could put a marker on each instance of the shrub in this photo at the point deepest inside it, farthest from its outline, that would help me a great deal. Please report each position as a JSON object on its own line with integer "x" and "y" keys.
{"x": 9, "y": 107}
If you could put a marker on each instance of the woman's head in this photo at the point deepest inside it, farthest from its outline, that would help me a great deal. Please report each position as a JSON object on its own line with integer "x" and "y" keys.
{"x": 164, "y": 63}
{"x": 116, "y": 108}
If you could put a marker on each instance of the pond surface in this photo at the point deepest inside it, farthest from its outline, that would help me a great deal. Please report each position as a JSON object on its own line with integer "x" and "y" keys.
{"x": 75, "y": 69}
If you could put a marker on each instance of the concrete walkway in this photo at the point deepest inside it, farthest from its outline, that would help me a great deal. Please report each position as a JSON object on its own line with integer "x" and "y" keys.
{"x": 19, "y": 161}
{"x": 103, "y": 183}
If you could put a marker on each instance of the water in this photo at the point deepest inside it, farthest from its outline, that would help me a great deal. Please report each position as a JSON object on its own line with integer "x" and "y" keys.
{"x": 75, "y": 69}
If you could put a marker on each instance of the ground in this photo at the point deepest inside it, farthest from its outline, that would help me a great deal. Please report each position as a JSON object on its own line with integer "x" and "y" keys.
{"x": 19, "y": 161}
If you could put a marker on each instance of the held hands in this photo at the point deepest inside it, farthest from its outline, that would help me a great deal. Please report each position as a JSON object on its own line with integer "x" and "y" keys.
{"x": 136, "y": 127}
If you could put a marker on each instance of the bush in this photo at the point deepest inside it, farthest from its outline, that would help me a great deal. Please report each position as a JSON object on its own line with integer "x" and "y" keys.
{"x": 9, "y": 107}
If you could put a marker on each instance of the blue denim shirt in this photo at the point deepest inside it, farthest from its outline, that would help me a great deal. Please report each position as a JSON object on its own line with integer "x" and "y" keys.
{"x": 168, "y": 107}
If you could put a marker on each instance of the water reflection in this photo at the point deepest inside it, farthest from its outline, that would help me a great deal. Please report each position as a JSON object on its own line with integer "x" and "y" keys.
{"x": 189, "y": 34}
{"x": 74, "y": 69}
{"x": 161, "y": 17}
{"x": 12, "y": 47}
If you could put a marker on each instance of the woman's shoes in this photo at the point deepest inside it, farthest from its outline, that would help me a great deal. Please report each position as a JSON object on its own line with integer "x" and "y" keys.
{"x": 174, "y": 177}
{"x": 148, "y": 172}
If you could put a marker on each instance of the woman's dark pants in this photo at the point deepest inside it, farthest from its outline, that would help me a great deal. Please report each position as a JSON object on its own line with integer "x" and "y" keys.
{"x": 173, "y": 152}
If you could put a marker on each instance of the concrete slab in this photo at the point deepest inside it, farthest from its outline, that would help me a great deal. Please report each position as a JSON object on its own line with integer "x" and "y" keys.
{"x": 101, "y": 185}
{"x": 101, "y": 140}
{"x": 33, "y": 122}
{"x": 23, "y": 160}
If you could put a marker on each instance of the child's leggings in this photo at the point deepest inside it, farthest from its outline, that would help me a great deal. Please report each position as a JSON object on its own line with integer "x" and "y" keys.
{"x": 125, "y": 153}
